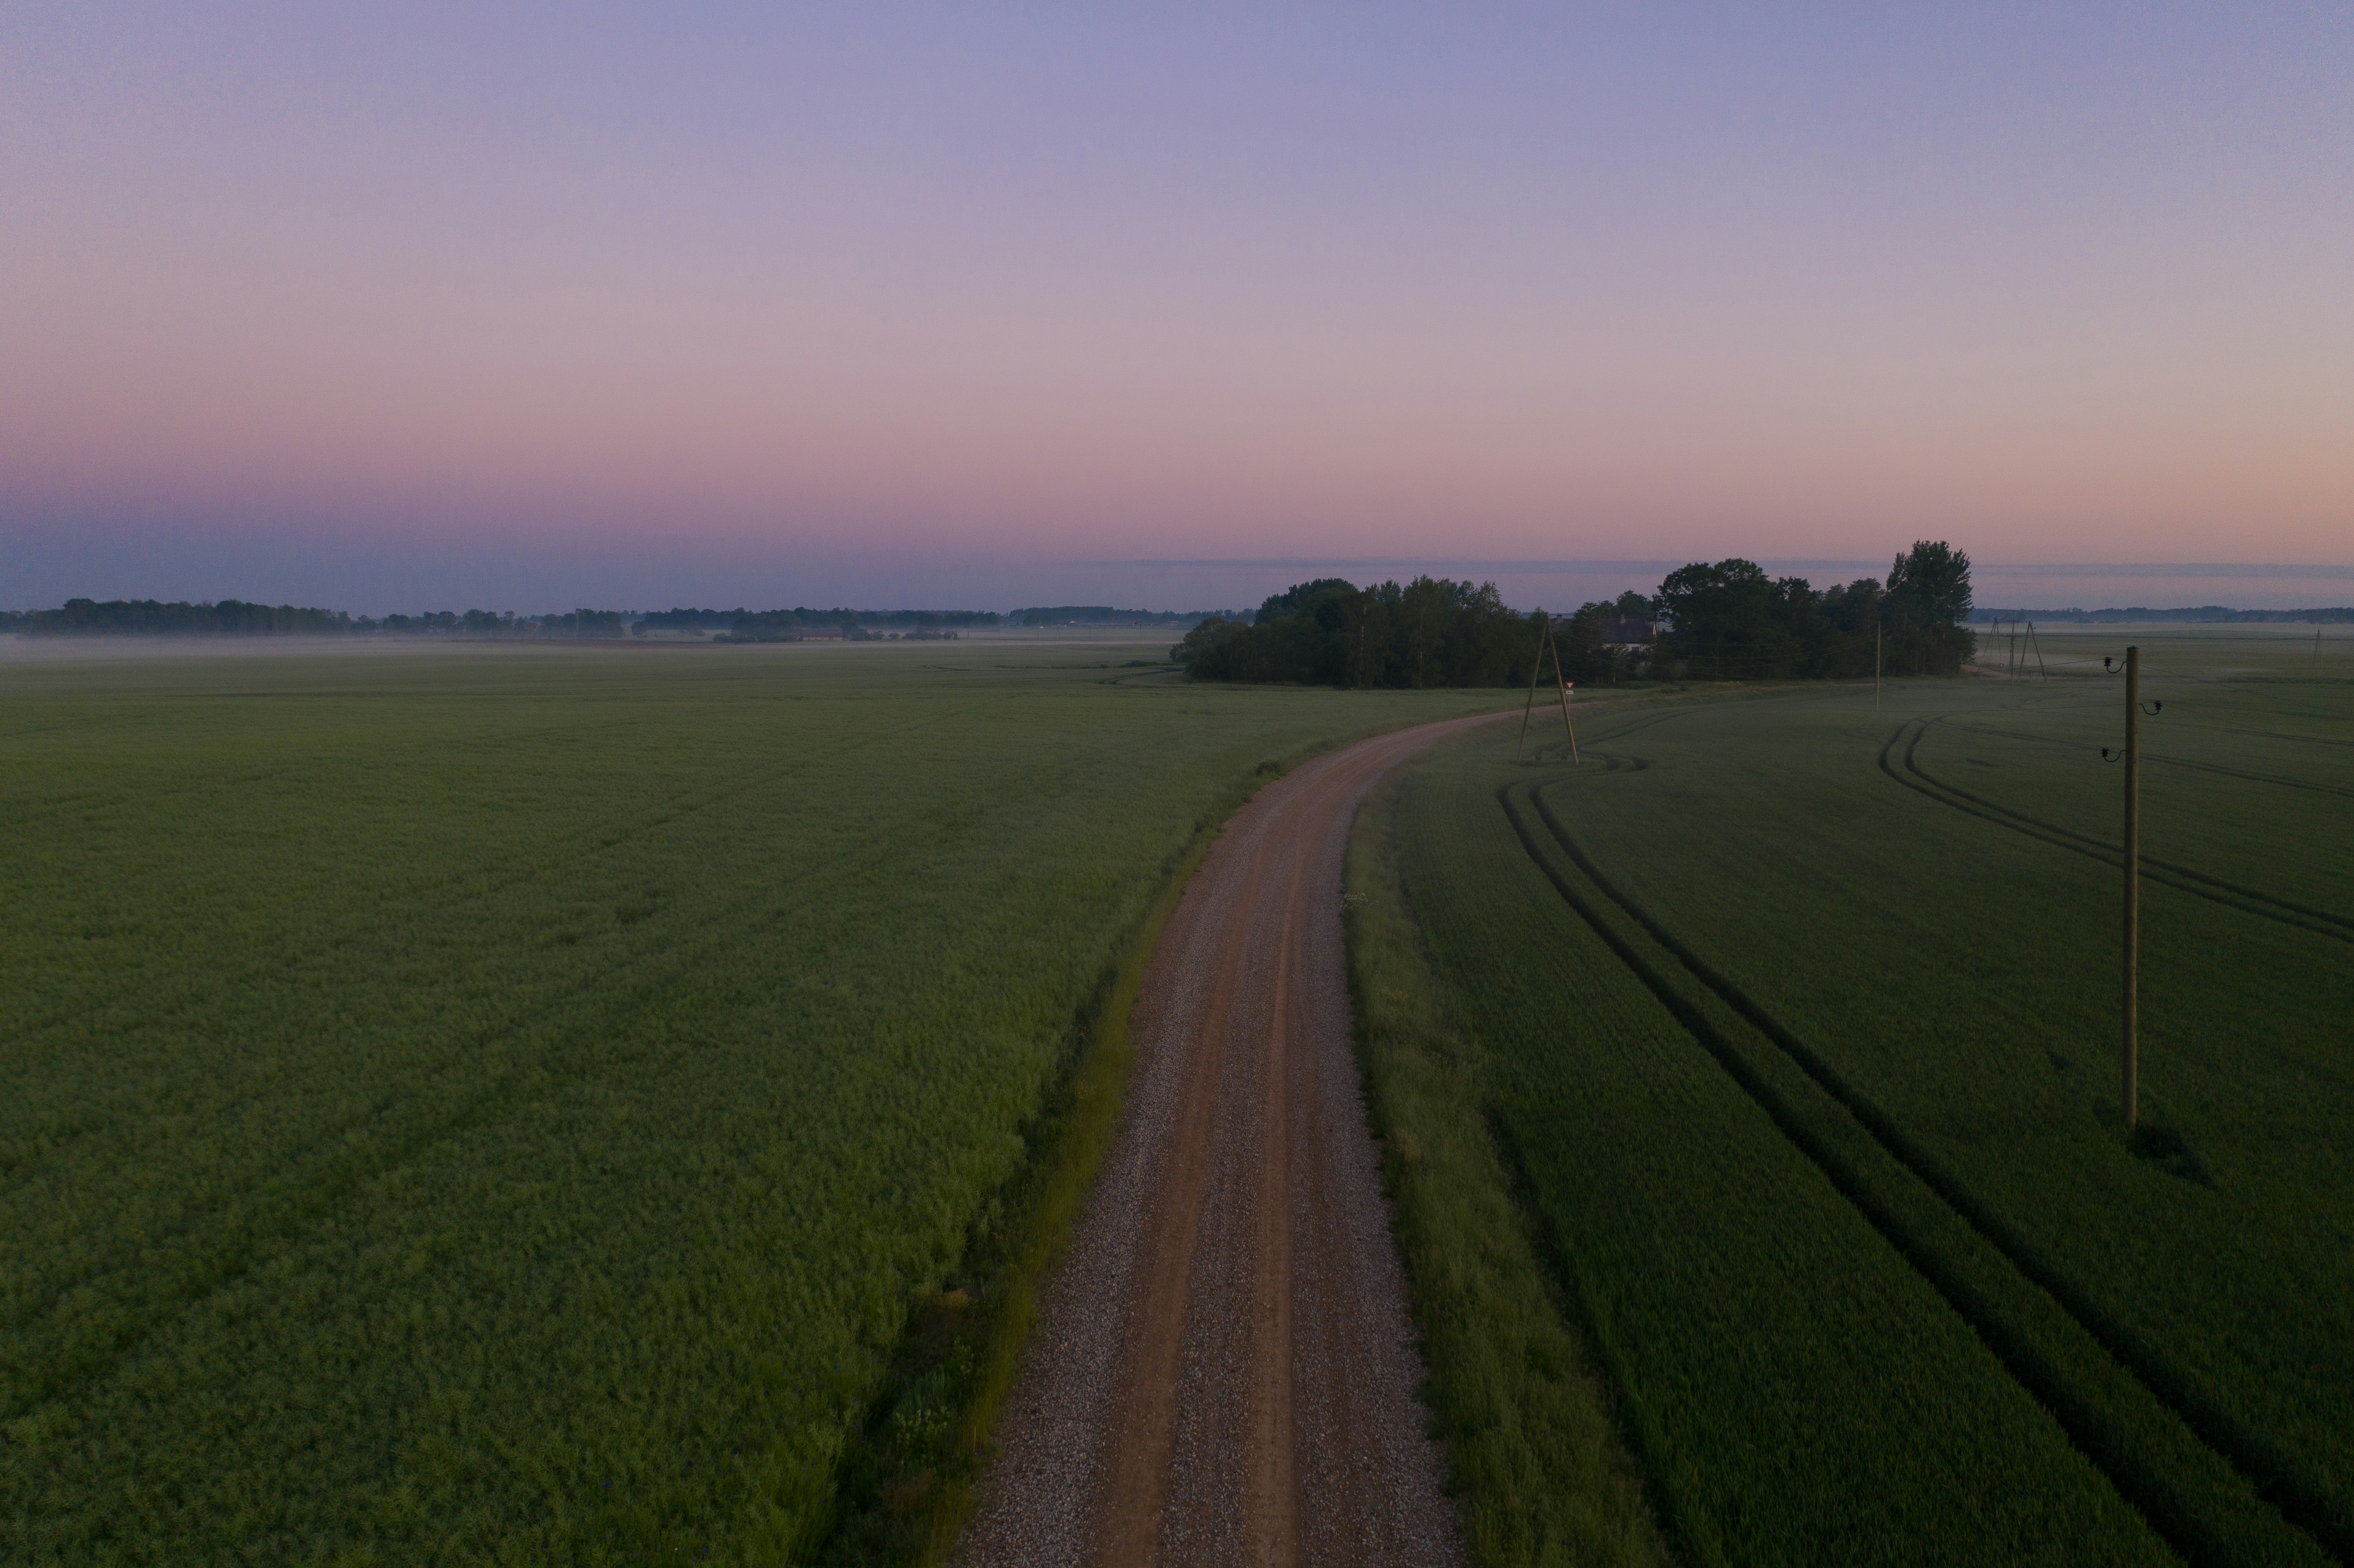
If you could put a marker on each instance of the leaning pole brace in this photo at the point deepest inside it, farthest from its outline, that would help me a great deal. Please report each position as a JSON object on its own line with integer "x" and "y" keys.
{"x": 1536, "y": 668}
{"x": 1567, "y": 685}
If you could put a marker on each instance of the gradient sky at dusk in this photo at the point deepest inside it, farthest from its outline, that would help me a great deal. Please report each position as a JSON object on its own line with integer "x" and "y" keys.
{"x": 381, "y": 307}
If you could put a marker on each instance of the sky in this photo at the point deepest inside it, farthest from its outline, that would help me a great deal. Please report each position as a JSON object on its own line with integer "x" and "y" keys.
{"x": 412, "y": 307}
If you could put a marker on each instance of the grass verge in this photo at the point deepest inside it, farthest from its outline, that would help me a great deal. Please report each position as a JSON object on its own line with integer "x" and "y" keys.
{"x": 1534, "y": 1457}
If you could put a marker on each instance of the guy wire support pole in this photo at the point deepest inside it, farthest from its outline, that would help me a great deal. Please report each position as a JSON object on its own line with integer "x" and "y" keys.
{"x": 1535, "y": 665}
{"x": 2133, "y": 883}
{"x": 1563, "y": 681}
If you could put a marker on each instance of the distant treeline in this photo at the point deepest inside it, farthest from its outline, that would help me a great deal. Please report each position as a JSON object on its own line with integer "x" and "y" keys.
{"x": 499, "y": 624}
{"x": 771, "y": 625}
{"x": 235, "y": 618}
{"x": 2215, "y": 612}
{"x": 147, "y": 617}
{"x": 1101, "y": 614}
{"x": 1728, "y": 621}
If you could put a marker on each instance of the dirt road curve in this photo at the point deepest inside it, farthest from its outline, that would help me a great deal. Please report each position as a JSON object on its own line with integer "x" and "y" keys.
{"x": 1224, "y": 1373}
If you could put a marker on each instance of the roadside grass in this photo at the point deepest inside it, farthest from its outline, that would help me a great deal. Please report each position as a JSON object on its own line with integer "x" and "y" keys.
{"x": 1534, "y": 1463}
{"x": 520, "y": 1105}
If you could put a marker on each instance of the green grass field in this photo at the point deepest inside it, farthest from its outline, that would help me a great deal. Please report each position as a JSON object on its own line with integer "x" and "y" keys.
{"x": 1793, "y": 1027}
{"x": 506, "y": 1106}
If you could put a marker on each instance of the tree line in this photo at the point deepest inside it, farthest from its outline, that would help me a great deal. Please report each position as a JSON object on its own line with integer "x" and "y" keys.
{"x": 1725, "y": 621}
{"x": 236, "y": 617}
{"x": 777, "y": 625}
{"x": 147, "y": 617}
{"x": 1730, "y": 622}
{"x": 2211, "y": 613}
{"x": 1108, "y": 615}
{"x": 1432, "y": 632}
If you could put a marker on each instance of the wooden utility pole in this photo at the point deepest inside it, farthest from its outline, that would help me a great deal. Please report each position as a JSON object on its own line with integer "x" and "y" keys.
{"x": 2132, "y": 1063}
{"x": 1875, "y": 663}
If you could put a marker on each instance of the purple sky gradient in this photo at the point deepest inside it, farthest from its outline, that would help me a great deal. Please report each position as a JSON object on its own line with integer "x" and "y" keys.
{"x": 396, "y": 307}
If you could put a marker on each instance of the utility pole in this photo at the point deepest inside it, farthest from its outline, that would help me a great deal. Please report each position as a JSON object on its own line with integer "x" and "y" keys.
{"x": 1875, "y": 663}
{"x": 2132, "y": 1064}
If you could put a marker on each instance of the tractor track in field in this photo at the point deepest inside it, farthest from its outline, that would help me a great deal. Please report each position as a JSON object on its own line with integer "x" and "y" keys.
{"x": 2221, "y": 770}
{"x": 2181, "y": 878}
{"x": 1224, "y": 1370}
{"x": 2276, "y": 1477}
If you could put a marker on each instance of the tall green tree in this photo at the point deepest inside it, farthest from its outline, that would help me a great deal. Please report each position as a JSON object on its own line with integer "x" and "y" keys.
{"x": 1928, "y": 600}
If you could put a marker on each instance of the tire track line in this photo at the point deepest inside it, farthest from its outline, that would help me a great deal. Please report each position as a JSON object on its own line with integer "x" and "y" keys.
{"x": 2281, "y": 1481}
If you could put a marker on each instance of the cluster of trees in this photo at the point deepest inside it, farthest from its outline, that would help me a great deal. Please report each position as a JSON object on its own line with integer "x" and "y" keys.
{"x": 776, "y": 625}
{"x": 152, "y": 617}
{"x": 1725, "y": 621}
{"x": 851, "y": 626}
{"x": 1730, "y": 622}
{"x": 235, "y": 618}
{"x": 2333, "y": 615}
{"x": 498, "y": 623}
{"x": 1432, "y": 632}
{"x": 1105, "y": 615}
{"x": 786, "y": 626}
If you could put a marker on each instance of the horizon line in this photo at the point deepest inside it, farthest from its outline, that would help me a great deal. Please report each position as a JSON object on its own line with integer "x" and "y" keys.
{"x": 2152, "y": 569}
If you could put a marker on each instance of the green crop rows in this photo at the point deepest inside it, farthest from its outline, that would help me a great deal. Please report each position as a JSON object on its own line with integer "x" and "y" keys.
{"x": 1793, "y": 1023}
{"x": 501, "y": 1104}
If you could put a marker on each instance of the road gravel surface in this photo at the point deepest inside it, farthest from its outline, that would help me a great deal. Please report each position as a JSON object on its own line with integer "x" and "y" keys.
{"x": 1225, "y": 1369}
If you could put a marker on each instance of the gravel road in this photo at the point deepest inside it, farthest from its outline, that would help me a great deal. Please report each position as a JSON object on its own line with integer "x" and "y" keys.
{"x": 1225, "y": 1371}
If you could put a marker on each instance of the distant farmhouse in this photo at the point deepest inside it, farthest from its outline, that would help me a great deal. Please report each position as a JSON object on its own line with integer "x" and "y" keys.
{"x": 1636, "y": 633}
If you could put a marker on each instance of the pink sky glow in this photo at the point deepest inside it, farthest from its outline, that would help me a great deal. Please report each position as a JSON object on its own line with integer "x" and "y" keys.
{"x": 1336, "y": 285}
